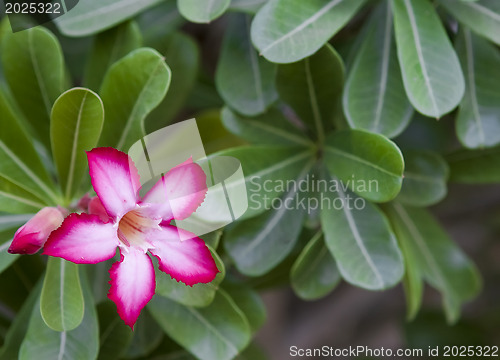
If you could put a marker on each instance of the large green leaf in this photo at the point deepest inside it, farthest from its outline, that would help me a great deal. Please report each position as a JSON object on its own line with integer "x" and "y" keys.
{"x": 133, "y": 87}
{"x": 219, "y": 331}
{"x": 108, "y": 47}
{"x": 202, "y": 11}
{"x": 248, "y": 6}
{"x": 182, "y": 56}
{"x": 431, "y": 71}
{"x": 249, "y": 301}
{"x": 76, "y": 124}
{"x": 6, "y": 259}
{"x": 33, "y": 65}
{"x": 259, "y": 244}
{"x": 89, "y": 18}
{"x": 147, "y": 337}
{"x": 482, "y": 16}
{"x": 269, "y": 165}
{"x": 359, "y": 237}
{"x": 61, "y": 301}
{"x": 478, "y": 121}
{"x": 369, "y": 164}
{"x": 24, "y": 181}
{"x": 425, "y": 177}
{"x": 115, "y": 336}
{"x": 312, "y": 86}
{"x": 270, "y": 128}
{"x": 197, "y": 295}
{"x": 475, "y": 166}
{"x": 303, "y": 26}
{"x": 81, "y": 343}
{"x": 439, "y": 260}
{"x": 374, "y": 97}
{"x": 314, "y": 274}
{"x": 244, "y": 80}
{"x": 160, "y": 20}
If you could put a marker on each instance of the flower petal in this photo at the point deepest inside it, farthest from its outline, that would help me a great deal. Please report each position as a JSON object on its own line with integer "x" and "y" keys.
{"x": 83, "y": 239}
{"x": 115, "y": 180}
{"x": 132, "y": 284}
{"x": 31, "y": 237}
{"x": 189, "y": 261}
{"x": 179, "y": 192}
{"x": 95, "y": 207}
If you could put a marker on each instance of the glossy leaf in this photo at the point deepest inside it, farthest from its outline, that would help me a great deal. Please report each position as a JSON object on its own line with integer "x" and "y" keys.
{"x": 214, "y": 135}
{"x": 6, "y": 259}
{"x": 33, "y": 65}
{"x": 369, "y": 164}
{"x": 61, "y": 301}
{"x": 159, "y": 21}
{"x": 425, "y": 177}
{"x": 304, "y": 26}
{"x": 202, "y": 11}
{"x": 359, "y": 237}
{"x": 133, "y": 87}
{"x": 81, "y": 343}
{"x": 314, "y": 274}
{"x": 475, "y": 166}
{"x": 115, "y": 336}
{"x": 76, "y": 124}
{"x": 271, "y": 128}
{"x": 482, "y": 16}
{"x": 374, "y": 97}
{"x": 478, "y": 120}
{"x": 24, "y": 182}
{"x": 219, "y": 331}
{"x": 247, "y": 6}
{"x": 244, "y": 80}
{"x": 182, "y": 56}
{"x": 249, "y": 301}
{"x": 439, "y": 260}
{"x": 108, "y": 47}
{"x": 312, "y": 87}
{"x": 198, "y": 295}
{"x": 431, "y": 71}
{"x": 147, "y": 337}
{"x": 272, "y": 164}
{"x": 87, "y": 19}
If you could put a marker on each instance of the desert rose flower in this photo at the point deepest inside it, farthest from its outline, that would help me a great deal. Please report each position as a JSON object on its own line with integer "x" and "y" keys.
{"x": 118, "y": 217}
{"x": 31, "y": 237}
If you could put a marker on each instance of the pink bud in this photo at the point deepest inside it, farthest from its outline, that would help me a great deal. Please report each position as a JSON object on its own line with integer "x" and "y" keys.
{"x": 31, "y": 237}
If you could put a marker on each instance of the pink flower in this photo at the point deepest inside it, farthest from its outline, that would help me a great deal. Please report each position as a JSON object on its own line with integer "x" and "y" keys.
{"x": 31, "y": 237}
{"x": 118, "y": 217}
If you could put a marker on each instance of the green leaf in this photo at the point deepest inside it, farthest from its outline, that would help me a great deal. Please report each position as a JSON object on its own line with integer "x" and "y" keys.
{"x": 369, "y": 164}
{"x": 182, "y": 56}
{"x": 115, "y": 336}
{"x": 147, "y": 337}
{"x": 198, "y": 295}
{"x": 273, "y": 164}
{"x": 108, "y": 47}
{"x": 133, "y": 87}
{"x": 312, "y": 86}
{"x": 61, "y": 301}
{"x": 303, "y": 26}
{"x": 431, "y": 71}
{"x": 17, "y": 330}
{"x": 81, "y": 343}
{"x": 259, "y": 244}
{"x": 8, "y": 221}
{"x": 425, "y": 177}
{"x": 219, "y": 331}
{"x": 214, "y": 136}
{"x": 6, "y": 259}
{"x": 314, "y": 274}
{"x": 244, "y": 80}
{"x": 247, "y": 6}
{"x": 374, "y": 97}
{"x": 478, "y": 120}
{"x": 439, "y": 260}
{"x": 249, "y": 301}
{"x": 76, "y": 124}
{"x": 271, "y": 128}
{"x": 159, "y": 21}
{"x": 359, "y": 237}
{"x": 23, "y": 179}
{"x": 33, "y": 65}
{"x": 475, "y": 166}
{"x": 202, "y": 11}
{"x": 87, "y": 18}
{"x": 482, "y": 16}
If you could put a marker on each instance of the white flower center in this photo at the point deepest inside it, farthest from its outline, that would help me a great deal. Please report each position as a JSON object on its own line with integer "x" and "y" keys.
{"x": 134, "y": 226}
